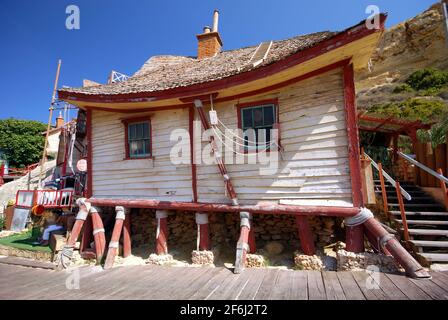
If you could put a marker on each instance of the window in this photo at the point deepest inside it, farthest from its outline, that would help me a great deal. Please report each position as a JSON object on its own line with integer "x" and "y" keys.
{"x": 261, "y": 118}
{"x": 138, "y": 138}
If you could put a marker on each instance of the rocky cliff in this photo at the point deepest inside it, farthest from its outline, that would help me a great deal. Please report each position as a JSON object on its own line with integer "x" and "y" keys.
{"x": 415, "y": 44}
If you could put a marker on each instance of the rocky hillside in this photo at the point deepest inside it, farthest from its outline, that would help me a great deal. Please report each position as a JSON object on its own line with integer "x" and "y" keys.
{"x": 417, "y": 43}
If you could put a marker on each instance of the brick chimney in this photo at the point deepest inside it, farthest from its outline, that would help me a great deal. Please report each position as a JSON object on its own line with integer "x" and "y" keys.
{"x": 209, "y": 42}
{"x": 59, "y": 120}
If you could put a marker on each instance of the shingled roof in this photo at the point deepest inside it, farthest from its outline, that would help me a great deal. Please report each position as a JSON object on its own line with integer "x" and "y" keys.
{"x": 167, "y": 72}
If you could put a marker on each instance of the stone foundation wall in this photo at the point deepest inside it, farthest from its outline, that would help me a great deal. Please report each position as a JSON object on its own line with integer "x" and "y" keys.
{"x": 224, "y": 228}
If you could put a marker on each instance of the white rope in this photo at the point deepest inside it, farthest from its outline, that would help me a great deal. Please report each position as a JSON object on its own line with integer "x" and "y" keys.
{"x": 236, "y": 152}
{"x": 237, "y": 136}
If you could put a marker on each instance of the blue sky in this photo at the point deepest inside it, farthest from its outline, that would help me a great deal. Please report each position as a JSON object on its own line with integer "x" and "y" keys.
{"x": 122, "y": 35}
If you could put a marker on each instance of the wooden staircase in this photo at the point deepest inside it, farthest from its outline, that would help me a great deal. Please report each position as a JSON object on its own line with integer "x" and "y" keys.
{"x": 427, "y": 222}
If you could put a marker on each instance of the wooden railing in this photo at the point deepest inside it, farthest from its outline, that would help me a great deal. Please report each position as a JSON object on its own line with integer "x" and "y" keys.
{"x": 400, "y": 194}
{"x": 50, "y": 199}
{"x": 438, "y": 175}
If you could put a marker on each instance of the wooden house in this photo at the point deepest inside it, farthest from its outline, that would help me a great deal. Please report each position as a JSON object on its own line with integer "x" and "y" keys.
{"x": 303, "y": 86}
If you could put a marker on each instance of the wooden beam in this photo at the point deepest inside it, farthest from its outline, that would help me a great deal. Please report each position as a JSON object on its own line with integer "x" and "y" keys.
{"x": 222, "y": 207}
{"x": 89, "y": 192}
{"x": 355, "y": 234}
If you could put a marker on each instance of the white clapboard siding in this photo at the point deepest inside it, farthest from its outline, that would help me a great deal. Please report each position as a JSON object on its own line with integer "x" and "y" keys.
{"x": 157, "y": 178}
{"x": 314, "y": 167}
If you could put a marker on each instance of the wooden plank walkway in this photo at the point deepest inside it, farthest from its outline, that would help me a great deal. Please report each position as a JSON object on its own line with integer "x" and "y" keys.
{"x": 168, "y": 283}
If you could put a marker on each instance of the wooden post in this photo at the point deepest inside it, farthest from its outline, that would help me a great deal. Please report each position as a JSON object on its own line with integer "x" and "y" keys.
{"x": 115, "y": 239}
{"x": 440, "y": 153}
{"x": 98, "y": 234}
{"x": 86, "y": 234}
{"x": 431, "y": 163}
{"x": 242, "y": 247}
{"x": 383, "y": 190}
{"x": 53, "y": 99}
{"x": 443, "y": 187}
{"x": 162, "y": 232}
{"x": 402, "y": 211}
{"x": 305, "y": 235}
{"x": 354, "y": 235}
{"x": 421, "y": 151}
{"x": 127, "y": 241}
{"x": 203, "y": 231}
{"x": 354, "y": 238}
{"x": 77, "y": 227}
{"x": 252, "y": 242}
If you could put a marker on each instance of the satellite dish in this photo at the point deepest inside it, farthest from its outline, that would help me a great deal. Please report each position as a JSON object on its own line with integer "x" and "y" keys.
{"x": 81, "y": 165}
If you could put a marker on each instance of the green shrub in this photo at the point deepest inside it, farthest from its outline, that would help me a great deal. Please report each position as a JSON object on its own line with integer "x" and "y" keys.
{"x": 428, "y": 79}
{"x": 412, "y": 109}
{"x": 2, "y": 222}
{"x": 403, "y": 88}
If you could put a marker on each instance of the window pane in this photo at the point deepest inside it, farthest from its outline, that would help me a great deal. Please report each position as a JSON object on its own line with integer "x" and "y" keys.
{"x": 131, "y": 132}
{"x": 146, "y": 130}
{"x": 132, "y": 148}
{"x": 139, "y": 130}
{"x": 147, "y": 149}
{"x": 268, "y": 115}
{"x": 247, "y": 118}
{"x": 258, "y": 117}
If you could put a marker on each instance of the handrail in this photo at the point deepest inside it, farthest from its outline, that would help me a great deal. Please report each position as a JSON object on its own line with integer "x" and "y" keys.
{"x": 389, "y": 178}
{"x": 423, "y": 167}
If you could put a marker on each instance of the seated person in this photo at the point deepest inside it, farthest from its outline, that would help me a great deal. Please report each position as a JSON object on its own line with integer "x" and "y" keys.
{"x": 53, "y": 222}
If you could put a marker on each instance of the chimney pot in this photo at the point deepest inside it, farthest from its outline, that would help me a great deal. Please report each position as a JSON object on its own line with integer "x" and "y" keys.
{"x": 215, "y": 20}
{"x": 59, "y": 120}
{"x": 207, "y": 29}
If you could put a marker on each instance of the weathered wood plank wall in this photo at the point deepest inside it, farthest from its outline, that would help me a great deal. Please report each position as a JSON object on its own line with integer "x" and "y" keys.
{"x": 313, "y": 170}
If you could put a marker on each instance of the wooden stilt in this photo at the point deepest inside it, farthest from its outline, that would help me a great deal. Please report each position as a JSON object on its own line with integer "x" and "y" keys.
{"x": 242, "y": 246}
{"x": 305, "y": 235}
{"x": 115, "y": 239}
{"x": 252, "y": 242}
{"x": 203, "y": 231}
{"x": 98, "y": 234}
{"x": 81, "y": 217}
{"x": 375, "y": 243}
{"x": 354, "y": 238}
{"x": 86, "y": 234}
{"x": 162, "y": 232}
{"x": 127, "y": 241}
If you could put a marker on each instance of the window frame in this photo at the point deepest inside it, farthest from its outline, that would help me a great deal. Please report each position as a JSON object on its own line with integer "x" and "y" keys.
{"x": 131, "y": 121}
{"x": 276, "y": 125}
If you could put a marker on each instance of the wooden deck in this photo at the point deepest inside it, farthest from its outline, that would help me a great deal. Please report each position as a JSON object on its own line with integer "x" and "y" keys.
{"x": 154, "y": 282}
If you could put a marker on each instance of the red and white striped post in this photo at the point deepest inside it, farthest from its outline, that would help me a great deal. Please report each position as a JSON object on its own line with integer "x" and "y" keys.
{"x": 203, "y": 231}
{"x": 115, "y": 239}
{"x": 242, "y": 247}
{"x": 127, "y": 241}
{"x": 162, "y": 232}
{"x": 98, "y": 234}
